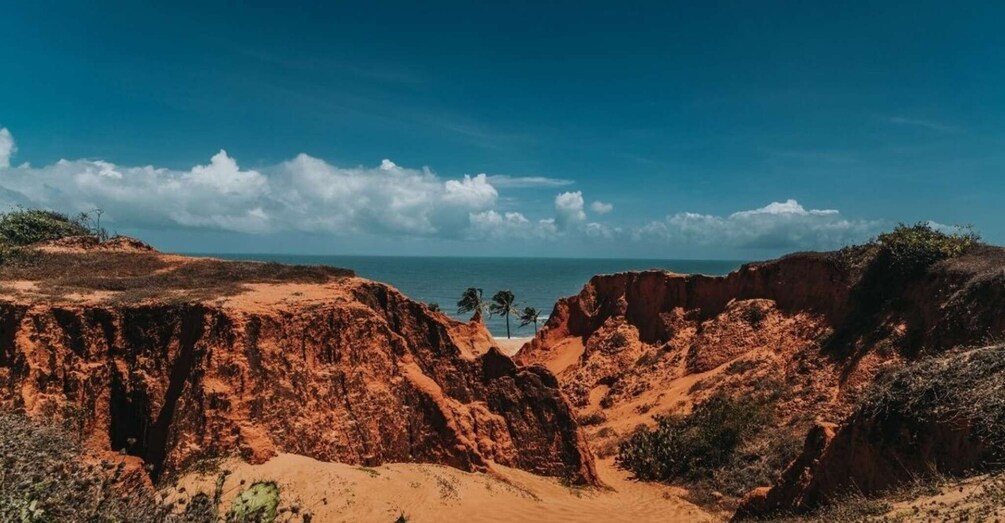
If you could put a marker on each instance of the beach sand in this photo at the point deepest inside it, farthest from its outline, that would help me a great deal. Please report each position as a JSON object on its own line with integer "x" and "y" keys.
{"x": 511, "y": 346}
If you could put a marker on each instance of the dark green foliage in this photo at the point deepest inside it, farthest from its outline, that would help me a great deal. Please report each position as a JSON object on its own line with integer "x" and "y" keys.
{"x": 528, "y": 316}
{"x": 26, "y": 226}
{"x": 471, "y": 301}
{"x": 911, "y": 248}
{"x": 693, "y": 447}
{"x": 503, "y": 304}
{"x": 723, "y": 449}
{"x": 757, "y": 461}
{"x": 23, "y": 227}
{"x": 259, "y": 503}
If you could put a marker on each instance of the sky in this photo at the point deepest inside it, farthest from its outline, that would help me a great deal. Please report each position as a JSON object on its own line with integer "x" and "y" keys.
{"x": 736, "y": 130}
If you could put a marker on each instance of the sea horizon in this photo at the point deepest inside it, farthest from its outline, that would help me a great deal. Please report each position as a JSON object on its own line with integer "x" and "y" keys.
{"x": 256, "y": 255}
{"x": 537, "y": 282}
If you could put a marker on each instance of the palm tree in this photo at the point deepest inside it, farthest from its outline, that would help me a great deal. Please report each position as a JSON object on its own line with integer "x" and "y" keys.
{"x": 502, "y": 304}
{"x": 471, "y": 300}
{"x": 528, "y": 316}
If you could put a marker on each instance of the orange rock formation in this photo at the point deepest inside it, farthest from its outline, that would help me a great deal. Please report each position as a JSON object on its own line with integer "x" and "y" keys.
{"x": 816, "y": 328}
{"x": 342, "y": 369}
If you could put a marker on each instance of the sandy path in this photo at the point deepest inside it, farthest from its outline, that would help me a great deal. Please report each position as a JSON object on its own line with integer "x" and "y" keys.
{"x": 335, "y": 492}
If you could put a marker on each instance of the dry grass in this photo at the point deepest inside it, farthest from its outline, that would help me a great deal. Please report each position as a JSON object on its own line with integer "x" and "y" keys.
{"x": 956, "y": 388}
{"x": 46, "y": 477}
{"x": 135, "y": 277}
{"x": 980, "y": 498}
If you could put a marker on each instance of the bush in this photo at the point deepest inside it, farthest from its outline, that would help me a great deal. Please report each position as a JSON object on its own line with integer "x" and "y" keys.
{"x": 259, "y": 503}
{"x": 966, "y": 387}
{"x": 912, "y": 248}
{"x": 693, "y": 447}
{"x": 45, "y": 477}
{"x": 26, "y": 226}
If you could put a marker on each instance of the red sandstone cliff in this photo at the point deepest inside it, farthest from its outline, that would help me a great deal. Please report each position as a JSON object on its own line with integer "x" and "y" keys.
{"x": 816, "y": 328}
{"x": 268, "y": 359}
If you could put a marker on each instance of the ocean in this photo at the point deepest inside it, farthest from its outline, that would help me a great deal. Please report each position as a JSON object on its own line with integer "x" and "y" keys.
{"x": 536, "y": 282}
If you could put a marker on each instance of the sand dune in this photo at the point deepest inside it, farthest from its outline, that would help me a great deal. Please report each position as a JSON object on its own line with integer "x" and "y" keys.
{"x": 432, "y": 493}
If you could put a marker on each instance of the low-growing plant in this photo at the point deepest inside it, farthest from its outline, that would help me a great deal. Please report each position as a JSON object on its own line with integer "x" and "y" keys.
{"x": 956, "y": 388}
{"x": 910, "y": 248}
{"x": 618, "y": 339}
{"x": 742, "y": 366}
{"x": 694, "y": 446}
{"x": 45, "y": 477}
{"x": 755, "y": 315}
{"x": 594, "y": 418}
{"x": 259, "y": 503}
{"x": 26, "y": 226}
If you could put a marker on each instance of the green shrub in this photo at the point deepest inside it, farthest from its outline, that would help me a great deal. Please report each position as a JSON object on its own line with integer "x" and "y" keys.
{"x": 693, "y": 447}
{"x": 45, "y": 477}
{"x": 259, "y": 503}
{"x": 26, "y": 226}
{"x": 912, "y": 248}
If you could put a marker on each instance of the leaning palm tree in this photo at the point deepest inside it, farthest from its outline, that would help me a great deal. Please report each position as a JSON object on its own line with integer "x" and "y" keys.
{"x": 529, "y": 315}
{"x": 471, "y": 301}
{"x": 503, "y": 305}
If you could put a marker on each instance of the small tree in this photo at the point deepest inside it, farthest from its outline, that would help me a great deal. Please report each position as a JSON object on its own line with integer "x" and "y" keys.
{"x": 471, "y": 301}
{"x": 528, "y": 316}
{"x": 503, "y": 304}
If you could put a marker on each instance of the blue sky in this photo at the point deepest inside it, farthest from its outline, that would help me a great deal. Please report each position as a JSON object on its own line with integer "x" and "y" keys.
{"x": 678, "y": 130}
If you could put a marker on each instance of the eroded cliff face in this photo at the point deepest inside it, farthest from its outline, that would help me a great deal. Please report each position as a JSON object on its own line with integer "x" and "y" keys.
{"x": 815, "y": 329}
{"x": 940, "y": 414}
{"x": 348, "y": 370}
{"x": 634, "y": 344}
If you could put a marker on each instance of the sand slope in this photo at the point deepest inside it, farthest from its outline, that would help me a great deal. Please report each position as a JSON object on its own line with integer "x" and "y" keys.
{"x": 335, "y": 492}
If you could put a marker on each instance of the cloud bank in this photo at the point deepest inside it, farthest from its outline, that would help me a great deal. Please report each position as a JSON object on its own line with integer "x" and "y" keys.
{"x": 7, "y": 148}
{"x": 777, "y": 226}
{"x": 308, "y": 194}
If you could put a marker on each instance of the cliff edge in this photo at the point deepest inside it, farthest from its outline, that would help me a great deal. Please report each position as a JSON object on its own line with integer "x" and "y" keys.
{"x": 812, "y": 332}
{"x": 174, "y": 360}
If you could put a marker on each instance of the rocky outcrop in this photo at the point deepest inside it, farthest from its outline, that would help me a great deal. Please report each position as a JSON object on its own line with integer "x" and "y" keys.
{"x": 942, "y": 414}
{"x": 349, "y": 371}
{"x": 816, "y": 329}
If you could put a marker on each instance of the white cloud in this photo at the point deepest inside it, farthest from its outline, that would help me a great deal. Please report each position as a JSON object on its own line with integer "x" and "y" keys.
{"x": 778, "y": 225}
{"x": 508, "y": 226}
{"x": 302, "y": 194}
{"x": 600, "y": 207}
{"x": 472, "y": 192}
{"x": 927, "y": 124}
{"x": 503, "y": 181}
{"x": 307, "y": 194}
{"x": 7, "y": 147}
{"x": 569, "y": 209}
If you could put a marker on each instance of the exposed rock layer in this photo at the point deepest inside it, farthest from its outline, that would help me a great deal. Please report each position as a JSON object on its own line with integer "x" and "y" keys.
{"x": 815, "y": 327}
{"x": 348, "y": 371}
